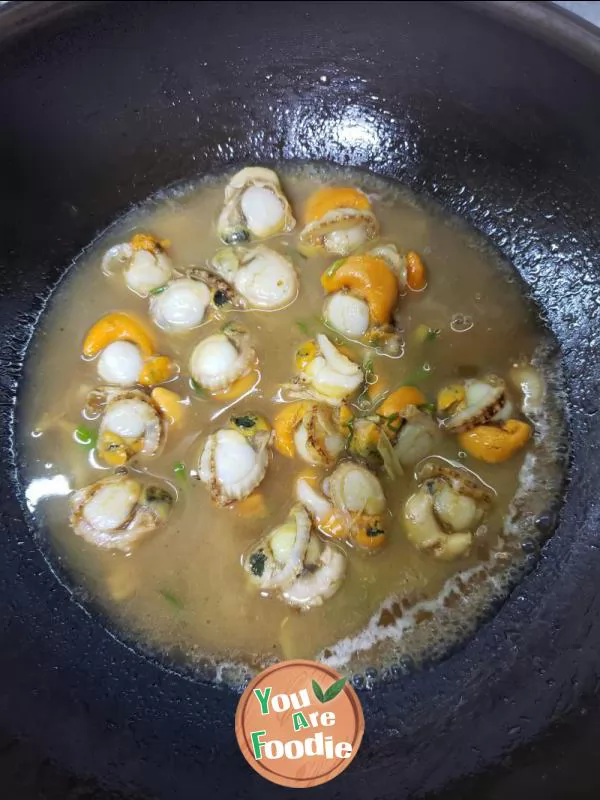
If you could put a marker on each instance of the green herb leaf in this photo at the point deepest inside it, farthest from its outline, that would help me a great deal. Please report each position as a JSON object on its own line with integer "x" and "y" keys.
{"x": 428, "y": 408}
{"x": 303, "y": 327}
{"x": 85, "y": 437}
{"x": 172, "y": 599}
{"x": 318, "y": 691}
{"x": 374, "y": 532}
{"x": 257, "y": 563}
{"x": 432, "y": 334}
{"x": 334, "y": 690}
{"x": 199, "y": 390}
{"x": 248, "y": 421}
{"x": 158, "y": 290}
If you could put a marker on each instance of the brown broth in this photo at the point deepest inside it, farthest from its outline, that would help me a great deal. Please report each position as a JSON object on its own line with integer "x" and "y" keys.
{"x": 183, "y": 589}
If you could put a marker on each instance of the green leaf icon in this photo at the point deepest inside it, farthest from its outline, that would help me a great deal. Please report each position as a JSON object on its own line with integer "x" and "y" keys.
{"x": 330, "y": 693}
{"x": 318, "y": 691}
{"x": 334, "y": 690}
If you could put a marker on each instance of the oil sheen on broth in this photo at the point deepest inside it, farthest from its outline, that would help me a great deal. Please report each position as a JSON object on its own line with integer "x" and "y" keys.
{"x": 183, "y": 589}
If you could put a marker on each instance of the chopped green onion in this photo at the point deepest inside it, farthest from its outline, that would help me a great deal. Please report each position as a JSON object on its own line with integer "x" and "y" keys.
{"x": 423, "y": 333}
{"x": 180, "y": 470}
{"x": 232, "y": 328}
{"x": 85, "y": 437}
{"x": 416, "y": 376}
{"x": 303, "y": 327}
{"x": 395, "y": 417}
{"x": 158, "y": 290}
{"x": 199, "y": 390}
{"x": 330, "y": 271}
{"x": 428, "y": 408}
{"x": 172, "y": 599}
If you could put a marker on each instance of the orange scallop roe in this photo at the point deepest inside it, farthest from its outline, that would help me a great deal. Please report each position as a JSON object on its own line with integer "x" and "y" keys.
{"x": 331, "y": 197}
{"x": 369, "y": 278}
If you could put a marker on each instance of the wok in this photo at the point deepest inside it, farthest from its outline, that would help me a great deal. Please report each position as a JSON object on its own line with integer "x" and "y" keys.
{"x": 490, "y": 108}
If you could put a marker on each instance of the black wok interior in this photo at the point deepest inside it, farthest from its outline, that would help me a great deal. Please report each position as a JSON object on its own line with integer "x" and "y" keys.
{"x": 103, "y": 104}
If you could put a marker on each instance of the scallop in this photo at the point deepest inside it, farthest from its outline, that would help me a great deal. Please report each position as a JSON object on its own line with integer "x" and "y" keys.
{"x": 322, "y": 577}
{"x": 219, "y": 360}
{"x": 232, "y": 464}
{"x": 294, "y": 562}
{"x": 347, "y": 314}
{"x": 255, "y": 207}
{"x": 131, "y": 424}
{"x": 484, "y": 402}
{"x": 349, "y": 507}
{"x": 417, "y": 438}
{"x": 120, "y": 363}
{"x": 341, "y": 230}
{"x": 181, "y": 306}
{"x": 263, "y": 277}
{"x": 144, "y": 270}
{"x": 118, "y": 512}
{"x": 278, "y": 557}
{"x": 317, "y": 439}
{"x": 354, "y": 488}
{"x": 397, "y": 262}
{"x": 441, "y": 517}
{"x": 315, "y": 502}
{"x": 330, "y": 375}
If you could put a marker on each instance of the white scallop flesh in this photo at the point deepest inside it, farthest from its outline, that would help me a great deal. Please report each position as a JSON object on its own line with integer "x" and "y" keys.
{"x": 216, "y": 363}
{"x": 505, "y": 413}
{"x": 457, "y": 511}
{"x": 312, "y": 500}
{"x": 133, "y": 418}
{"x": 325, "y": 450}
{"x": 332, "y": 375}
{"x": 353, "y": 488}
{"x": 120, "y": 364}
{"x": 484, "y": 400}
{"x": 284, "y": 549}
{"x": 147, "y": 271}
{"x": 416, "y": 439}
{"x": 343, "y": 242}
{"x": 347, "y": 314}
{"x": 263, "y": 210}
{"x": 249, "y": 176}
{"x": 231, "y": 467}
{"x": 315, "y": 586}
{"x": 111, "y": 506}
{"x": 181, "y": 306}
{"x": 267, "y": 279}
{"x": 532, "y": 386}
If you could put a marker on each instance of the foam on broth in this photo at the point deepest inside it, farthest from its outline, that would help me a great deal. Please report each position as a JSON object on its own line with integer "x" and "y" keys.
{"x": 183, "y": 591}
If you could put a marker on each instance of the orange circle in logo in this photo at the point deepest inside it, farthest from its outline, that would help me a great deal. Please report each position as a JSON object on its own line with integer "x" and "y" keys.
{"x": 299, "y": 723}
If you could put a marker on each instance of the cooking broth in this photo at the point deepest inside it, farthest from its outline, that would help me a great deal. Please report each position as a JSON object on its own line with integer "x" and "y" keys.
{"x": 182, "y": 590}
